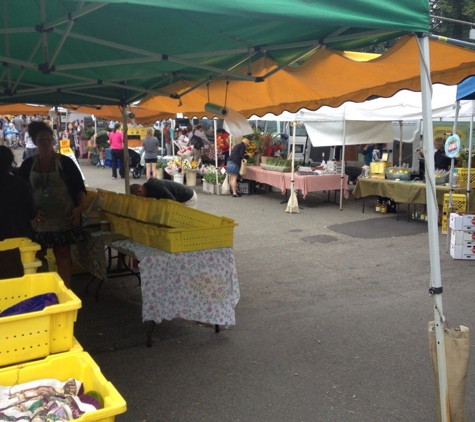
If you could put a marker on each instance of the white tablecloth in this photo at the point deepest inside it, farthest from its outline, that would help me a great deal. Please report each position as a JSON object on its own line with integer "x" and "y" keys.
{"x": 200, "y": 286}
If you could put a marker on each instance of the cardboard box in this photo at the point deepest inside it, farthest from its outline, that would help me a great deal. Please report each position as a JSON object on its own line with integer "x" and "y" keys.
{"x": 379, "y": 166}
{"x": 460, "y": 237}
{"x": 462, "y": 251}
{"x": 462, "y": 221}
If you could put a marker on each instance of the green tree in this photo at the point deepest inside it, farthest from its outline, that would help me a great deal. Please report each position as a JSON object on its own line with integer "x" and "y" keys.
{"x": 461, "y": 10}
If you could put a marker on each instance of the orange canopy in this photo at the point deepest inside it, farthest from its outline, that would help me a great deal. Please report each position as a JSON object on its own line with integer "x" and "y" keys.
{"x": 16, "y": 109}
{"x": 327, "y": 78}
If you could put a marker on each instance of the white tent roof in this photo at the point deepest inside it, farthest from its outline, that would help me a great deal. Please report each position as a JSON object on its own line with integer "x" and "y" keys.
{"x": 371, "y": 119}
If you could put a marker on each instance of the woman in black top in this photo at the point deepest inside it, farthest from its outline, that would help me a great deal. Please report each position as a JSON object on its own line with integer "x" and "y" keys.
{"x": 234, "y": 162}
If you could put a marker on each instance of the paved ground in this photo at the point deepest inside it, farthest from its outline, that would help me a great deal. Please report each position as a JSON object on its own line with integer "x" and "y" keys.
{"x": 331, "y": 325}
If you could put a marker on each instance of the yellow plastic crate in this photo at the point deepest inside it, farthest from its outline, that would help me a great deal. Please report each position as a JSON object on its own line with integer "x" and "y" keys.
{"x": 459, "y": 204}
{"x": 174, "y": 214}
{"x": 119, "y": 204}
{"x": 463, "y": 176}
{"x": 120, "y": 225}
{"x": 106, "y": 197}
{"x": 77, "y": 365}
{"x": 28, "y": 248}
{"x": 91, "y": 195}
{"x": 37, "y": 334}
{"x": 32, "y": 267}
{"x": 138, "y": 208}
{"x": 177, "y": 240}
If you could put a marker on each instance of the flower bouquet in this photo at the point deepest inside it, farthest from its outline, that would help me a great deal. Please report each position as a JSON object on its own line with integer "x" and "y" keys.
{"x": 178, "y": 166}
{"x": 185, "y": 152}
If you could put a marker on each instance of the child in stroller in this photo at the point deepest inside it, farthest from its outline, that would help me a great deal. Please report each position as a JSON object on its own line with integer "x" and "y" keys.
{"x": 134, "y": 164}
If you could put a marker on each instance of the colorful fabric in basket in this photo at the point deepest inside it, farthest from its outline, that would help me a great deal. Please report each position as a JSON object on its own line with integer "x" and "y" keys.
{"x": 45, "y": 400}
{"x": 32, "y": 304}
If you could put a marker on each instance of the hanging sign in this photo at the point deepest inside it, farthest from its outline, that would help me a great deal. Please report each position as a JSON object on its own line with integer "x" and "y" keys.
{"x": 452, "y": 146}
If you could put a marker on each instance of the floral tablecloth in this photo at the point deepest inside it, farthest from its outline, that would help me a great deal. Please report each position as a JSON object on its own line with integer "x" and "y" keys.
{"x": 200, "y": 286}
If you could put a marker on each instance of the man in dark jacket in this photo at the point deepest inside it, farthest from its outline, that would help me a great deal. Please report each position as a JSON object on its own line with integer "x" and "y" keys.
{"x": 166, "y": 189}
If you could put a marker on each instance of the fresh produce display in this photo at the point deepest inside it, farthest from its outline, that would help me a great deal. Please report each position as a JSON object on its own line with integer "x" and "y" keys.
{"x": 401, "y": 173}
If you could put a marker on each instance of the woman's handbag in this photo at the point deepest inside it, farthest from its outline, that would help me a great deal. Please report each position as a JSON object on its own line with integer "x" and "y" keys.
{"x": 242, "y": 169}
{"x": 225, "y": 188}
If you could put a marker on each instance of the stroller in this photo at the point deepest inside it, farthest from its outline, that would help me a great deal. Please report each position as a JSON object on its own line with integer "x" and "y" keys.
{"x": 134, "y": 164}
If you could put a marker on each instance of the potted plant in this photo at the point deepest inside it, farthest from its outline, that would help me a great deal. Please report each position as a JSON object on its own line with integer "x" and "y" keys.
{"x": 161, "y": 166}
{"x": 209, "y": 181}
{"x": 269, "y": 147}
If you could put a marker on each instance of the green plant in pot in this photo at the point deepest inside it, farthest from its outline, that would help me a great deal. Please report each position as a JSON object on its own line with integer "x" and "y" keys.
{"x": 211, "y": 177}
{"x": 161, "y": 164}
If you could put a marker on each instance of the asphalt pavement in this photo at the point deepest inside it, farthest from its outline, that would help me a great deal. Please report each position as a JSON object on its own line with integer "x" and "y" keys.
{"x": 331, "y": 324}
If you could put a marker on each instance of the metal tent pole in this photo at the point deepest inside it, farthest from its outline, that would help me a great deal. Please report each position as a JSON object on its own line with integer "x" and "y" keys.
{"x": 126, "y": 149}
{"x": 432, "y": 210}
{"x": 342, "y": 175}
{"x": 469, "y": 176}
{"x": 215, "y": 128}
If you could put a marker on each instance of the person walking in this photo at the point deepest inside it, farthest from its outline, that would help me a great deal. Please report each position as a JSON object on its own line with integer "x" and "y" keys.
{"x": 150, "y": 146}
{"x": 198, "y": 139}
{"x": 116, "y": 140}
{"x": 167, "y": 137}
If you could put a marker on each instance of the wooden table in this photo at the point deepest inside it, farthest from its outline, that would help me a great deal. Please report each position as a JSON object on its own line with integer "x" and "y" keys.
{"x": 306, "y": 184}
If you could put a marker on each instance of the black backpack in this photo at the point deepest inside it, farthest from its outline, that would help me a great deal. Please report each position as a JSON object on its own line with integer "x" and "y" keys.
{"x": 196, "y": 141}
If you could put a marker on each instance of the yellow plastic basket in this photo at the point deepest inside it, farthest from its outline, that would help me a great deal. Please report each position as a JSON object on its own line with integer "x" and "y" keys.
{"x": 174, "y": 214}
{"x": 28, "y": 248}
{"x": 32, "y": 267}
{"x": 138, "y": 208}
{"x": 77, "y": 365}
{"x": 175, "y": 240}
{"x": 121, "y": 225}
{"x": 37, "y": 334}
{"x": 106, "y": 197}
{"x": 463, "y": 176}
{"x": 459, "y": 204}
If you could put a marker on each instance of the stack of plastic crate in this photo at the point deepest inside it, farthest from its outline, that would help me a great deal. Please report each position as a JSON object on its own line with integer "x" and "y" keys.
{"x": 40, "y": 344}
{"x": 462, "y": 235}
{"x": 459, "y": 204}
{"x": 28, "y": 250}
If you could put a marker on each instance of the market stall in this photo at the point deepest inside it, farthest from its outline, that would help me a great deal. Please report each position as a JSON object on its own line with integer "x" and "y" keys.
{"x": 306, "y": 184}
{"x": 402, "y": 192}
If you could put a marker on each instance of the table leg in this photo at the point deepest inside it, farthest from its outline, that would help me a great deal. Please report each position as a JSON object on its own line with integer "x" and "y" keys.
{"x": 364, "y": 201}
{"x": 149, "y": 333}
{"x": 216, "y": 328}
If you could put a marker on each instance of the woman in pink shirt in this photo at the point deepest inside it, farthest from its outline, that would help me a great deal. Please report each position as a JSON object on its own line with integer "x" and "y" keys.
{"x": 116, "y": 140}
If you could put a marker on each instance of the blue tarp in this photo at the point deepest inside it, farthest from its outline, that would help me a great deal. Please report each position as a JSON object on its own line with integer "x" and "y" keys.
{"x": 466, "y": 89}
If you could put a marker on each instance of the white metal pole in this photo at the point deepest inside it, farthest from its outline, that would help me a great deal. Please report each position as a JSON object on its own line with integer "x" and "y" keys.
{"x": 400, "y": 143}
{"x": 215, "y": 128}
{"x": 294, "y": 127}
{"x": 432, "y": 212}
{"x": 469, "y": 175}
{"x": 126, "y": 149}
{"x": 342, "y": 176}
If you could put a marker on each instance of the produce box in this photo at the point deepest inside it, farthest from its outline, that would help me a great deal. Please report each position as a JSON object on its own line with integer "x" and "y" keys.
{"x": 460, "y": 237}
{"x": 462, "y": 251}
{"x": 211, "y": 187}
{"x": 461, "y": 221}
{"x": 379, "y": 166}
{"x": 77, "y": 365}
{"x": 119, "y": 224}
{"x": 37, "y": 334}
{"x": 28, "y": 248}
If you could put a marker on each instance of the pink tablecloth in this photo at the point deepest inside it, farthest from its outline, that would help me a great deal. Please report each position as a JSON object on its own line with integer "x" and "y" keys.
{"x": 303, "y": 183}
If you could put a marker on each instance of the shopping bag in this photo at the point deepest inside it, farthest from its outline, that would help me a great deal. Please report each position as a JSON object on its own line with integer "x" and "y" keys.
{"x": 293, "y": 204}
{"x": 225, "y": 187}
{"x": 243, "y": 168}
{"x": 457, "y": 350}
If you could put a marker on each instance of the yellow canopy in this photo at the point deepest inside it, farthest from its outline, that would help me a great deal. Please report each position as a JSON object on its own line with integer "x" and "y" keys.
{"x": 327, "y": 78}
